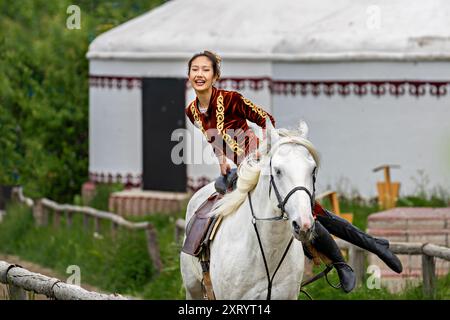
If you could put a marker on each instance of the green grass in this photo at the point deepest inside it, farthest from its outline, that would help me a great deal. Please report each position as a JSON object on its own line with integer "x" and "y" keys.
{"x": 320, "y": 290}
{"x": 168, "y": 285}
{"x": 418, "y": 201}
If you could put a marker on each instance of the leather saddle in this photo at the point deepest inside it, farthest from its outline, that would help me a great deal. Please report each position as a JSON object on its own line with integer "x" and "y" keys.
{"x": 201, "y": 229}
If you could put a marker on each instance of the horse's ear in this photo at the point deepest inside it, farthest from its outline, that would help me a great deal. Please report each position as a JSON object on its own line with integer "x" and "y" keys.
{"x": 271, "y": 135}
{"x": 303, "y": 129}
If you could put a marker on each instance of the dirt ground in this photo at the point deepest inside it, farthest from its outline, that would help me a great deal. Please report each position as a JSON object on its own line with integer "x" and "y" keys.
{"x": 33, "y": 267}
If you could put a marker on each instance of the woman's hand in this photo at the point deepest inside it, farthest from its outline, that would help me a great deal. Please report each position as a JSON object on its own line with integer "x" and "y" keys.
{"x": 225, "y": 168}
{"x": 224, "y": 165}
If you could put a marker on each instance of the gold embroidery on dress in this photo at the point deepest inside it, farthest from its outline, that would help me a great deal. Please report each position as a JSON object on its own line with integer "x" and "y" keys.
{"x": 197, "y": 119}
{"x": 255, "y": 108}
{"x": 226, "y": 137}
{"x": 220, "y": 117}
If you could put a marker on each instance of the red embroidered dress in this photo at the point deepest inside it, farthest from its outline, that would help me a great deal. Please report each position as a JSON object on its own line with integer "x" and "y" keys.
{"x": 224, "y": 123}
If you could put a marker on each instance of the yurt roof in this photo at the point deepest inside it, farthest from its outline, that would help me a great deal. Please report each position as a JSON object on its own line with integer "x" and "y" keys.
{"x": 305, "y": 30}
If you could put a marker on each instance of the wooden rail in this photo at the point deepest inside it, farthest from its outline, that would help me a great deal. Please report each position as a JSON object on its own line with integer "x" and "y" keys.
{"x": 18, "y": 192}
{"x": 428, "y": 251}
{"x": 21, "y": 280}
{"x": 42, "y": 208}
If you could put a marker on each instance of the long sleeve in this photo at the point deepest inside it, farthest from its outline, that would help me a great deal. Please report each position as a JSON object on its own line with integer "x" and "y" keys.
{"x": 188, "y": 113}
{"x": 196, "y": 122}
{"x": 217, "y": 151}
{"x": 248, "y": 110}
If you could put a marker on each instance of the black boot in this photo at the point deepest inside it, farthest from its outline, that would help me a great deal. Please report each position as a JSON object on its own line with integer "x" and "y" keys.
{"x": 221, "y": 184}
{"x": 326, "y": 245}
{"x": 348, "y": 232}
{"x": 226, "y": 183}
{"x": 232, "y": 179}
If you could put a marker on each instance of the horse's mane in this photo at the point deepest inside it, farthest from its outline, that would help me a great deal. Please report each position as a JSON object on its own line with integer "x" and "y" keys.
{"x": 249, "y": 171}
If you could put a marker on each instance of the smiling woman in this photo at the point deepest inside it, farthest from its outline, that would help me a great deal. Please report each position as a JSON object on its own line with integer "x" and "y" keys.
{"x": 230, "y": 136}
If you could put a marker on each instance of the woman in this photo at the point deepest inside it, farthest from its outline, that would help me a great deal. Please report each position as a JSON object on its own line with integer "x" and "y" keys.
{"x": 221, "y": 116}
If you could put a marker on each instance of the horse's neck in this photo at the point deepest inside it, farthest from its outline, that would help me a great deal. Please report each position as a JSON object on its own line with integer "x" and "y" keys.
{"x": 273, "y": 233}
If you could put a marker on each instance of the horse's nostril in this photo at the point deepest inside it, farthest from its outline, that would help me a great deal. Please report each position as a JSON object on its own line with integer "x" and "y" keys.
{"x": 296, "y": 226}
{"x": 306, "y": 226}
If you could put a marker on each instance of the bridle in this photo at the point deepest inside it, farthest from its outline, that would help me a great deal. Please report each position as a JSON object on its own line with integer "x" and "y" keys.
{"x": 284, "y": 216}
{"x": 282, "y": 202}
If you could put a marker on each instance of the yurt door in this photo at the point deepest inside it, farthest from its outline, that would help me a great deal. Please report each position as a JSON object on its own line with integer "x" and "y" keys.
{"x": 163, "y": 103}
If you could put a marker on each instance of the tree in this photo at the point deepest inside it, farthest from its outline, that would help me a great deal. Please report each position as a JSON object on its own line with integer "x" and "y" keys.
{"x": 44, "y": 91}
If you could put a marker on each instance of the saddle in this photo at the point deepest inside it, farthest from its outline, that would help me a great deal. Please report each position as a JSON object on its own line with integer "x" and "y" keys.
{"x": 201, "y": 229}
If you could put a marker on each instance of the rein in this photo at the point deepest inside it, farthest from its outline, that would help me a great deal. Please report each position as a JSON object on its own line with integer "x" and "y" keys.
{"x": 269, "y": 278}
{"x": 323, "y": 273}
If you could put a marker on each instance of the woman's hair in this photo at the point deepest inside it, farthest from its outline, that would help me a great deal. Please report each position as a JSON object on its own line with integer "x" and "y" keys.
{"x": 214, "y": 58}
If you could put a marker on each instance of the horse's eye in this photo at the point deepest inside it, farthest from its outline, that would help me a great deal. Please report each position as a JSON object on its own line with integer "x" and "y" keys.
{"x": 278, "y": 172}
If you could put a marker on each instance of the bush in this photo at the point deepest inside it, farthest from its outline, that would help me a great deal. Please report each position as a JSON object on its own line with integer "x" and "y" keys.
{"x": 101, "y": 198}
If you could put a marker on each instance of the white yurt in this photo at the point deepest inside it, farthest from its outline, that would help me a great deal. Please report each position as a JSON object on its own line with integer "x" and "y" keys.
{"x": 370, "y": 78}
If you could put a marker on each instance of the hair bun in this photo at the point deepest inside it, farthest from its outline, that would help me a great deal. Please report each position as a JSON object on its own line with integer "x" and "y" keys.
{"x": 218, "y": 58}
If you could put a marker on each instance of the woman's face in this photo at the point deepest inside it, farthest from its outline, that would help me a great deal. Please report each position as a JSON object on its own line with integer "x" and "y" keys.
{"x": 201, "y": 74}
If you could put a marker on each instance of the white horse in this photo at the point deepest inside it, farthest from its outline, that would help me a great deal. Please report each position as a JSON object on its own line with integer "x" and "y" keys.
{"x": 237, "y": 267}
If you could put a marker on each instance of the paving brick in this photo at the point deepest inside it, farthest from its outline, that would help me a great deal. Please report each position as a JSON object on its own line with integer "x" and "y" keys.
{"x": 425, "y": 225}
{"x": 388, "y": 224}
{"x": 438, "y": 239}
{"x": 418, "y": 224}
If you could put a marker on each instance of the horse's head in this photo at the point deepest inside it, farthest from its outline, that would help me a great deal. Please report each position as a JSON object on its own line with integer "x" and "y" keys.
{"x": 290, "y": 163}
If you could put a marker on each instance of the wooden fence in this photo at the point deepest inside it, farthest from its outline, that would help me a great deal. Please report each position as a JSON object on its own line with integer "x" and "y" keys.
{"x": 20, "y": 280}
{"x": 429, "y": 252}
{"x": 44, "y": 208}
{"x": 357, "y": 257}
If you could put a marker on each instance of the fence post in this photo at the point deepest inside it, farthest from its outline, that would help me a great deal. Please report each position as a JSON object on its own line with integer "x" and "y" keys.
{"x": 357, "y": 261}
{"x": 85, "y": 222}
{"x": 429, "y": 276}
{"x": 15, "y": 194}
{"x": 17, "y": 293}
{"x": 69, "y": 215}
{"x": 97, "y": 225}
{"x": 153, "y": 247}
{"x": 114, "y": 227}
{"x": 56, "y": 218}
{"x": 39, "y": 213}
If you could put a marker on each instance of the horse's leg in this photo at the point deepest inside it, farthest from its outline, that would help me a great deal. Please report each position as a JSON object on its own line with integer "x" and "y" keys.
{"x": 191, "y": 282}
